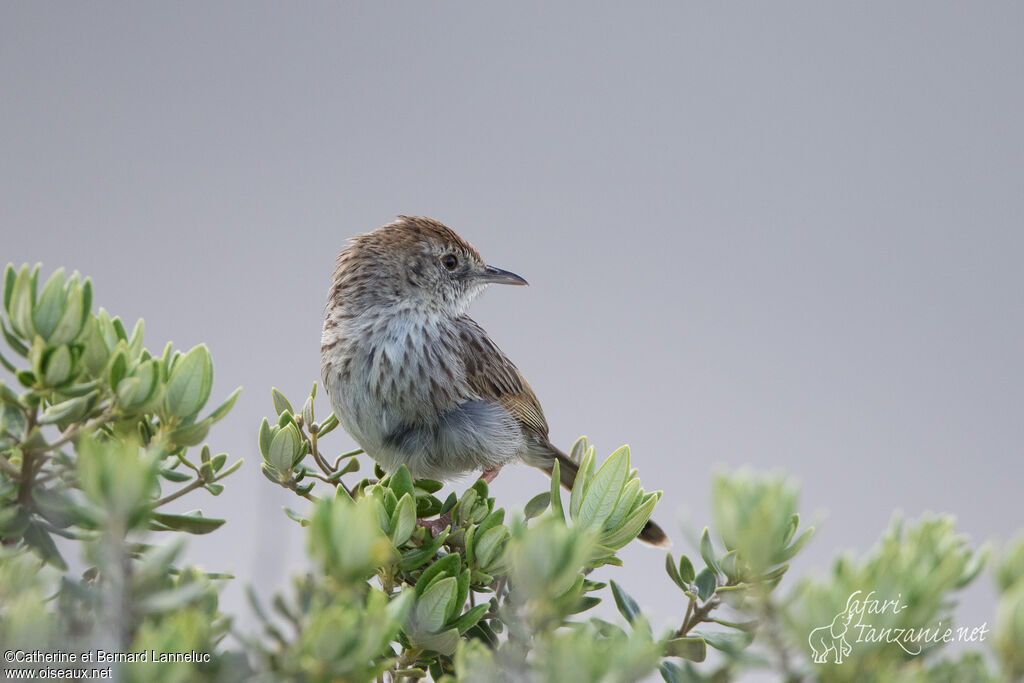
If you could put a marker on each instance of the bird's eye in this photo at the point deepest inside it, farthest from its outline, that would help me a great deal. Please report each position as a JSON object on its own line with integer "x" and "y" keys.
{"x": 449, "y": 261}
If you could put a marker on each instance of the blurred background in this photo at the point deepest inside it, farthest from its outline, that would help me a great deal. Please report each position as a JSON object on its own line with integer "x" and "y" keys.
{"x": 783, "y": 236}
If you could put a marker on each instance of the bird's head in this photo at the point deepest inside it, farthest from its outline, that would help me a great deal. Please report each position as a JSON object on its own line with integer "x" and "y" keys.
{"x": 420, "y": 261}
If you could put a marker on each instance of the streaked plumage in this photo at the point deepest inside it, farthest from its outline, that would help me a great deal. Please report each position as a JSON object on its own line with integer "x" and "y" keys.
{"x": 411, "y": 377}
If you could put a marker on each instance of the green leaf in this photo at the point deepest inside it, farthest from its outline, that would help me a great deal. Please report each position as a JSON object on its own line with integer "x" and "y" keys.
{"x": 36, "y": 355}
{"x": 135, "y": 343}
{"x": 794, "y": 522}
{"x": 537, "y": 505}
{"x": 401, "y": 482}
{"x": 118, "y": 367}
{"x": 329, "y": 425}
{"x": 73, "y": 319}
{"x": 9, "y": 397}
{"x": 73, "y": 409}
{"x": 218, "y": 414}
{"x": 231, "y": 468}
{"x": 95, "y": 353}
{"x": 126, "y": 390}
{"x": 39, "y": 540}
{"x": 630, "y": 493}
{"x": 7, "y": 364}
{"x": 632, "y": 527}
{"x": 429, "y": 611}
{"x": 86, "y": 304}
{"x": 148, "y": 374}
{"x": 50, "y": 306}
{"x": 470, "y": 618}
{"x": 728, "y": 564}
{"x": 191, "y": 434}
{"x": 691, "y": 648}
{"x": 445, "y": 642}
{"x": 13, "y": 341}
{"x": 625, "y": 602}
{"x": 707, "y": 551}
{"x": 190, "y": 383}
{"x": 973, "y": 568}
{"x": 726, "y": 642}
{"x": 270, "y": 473}
{"x": 403, "y": 520}
{"x": 579, "y": 487}
{"x": 414, "y": 559}
{"x": 307, "y": 409}
{"x": 465, "y": 506}
{"x": 426, "y": 506}
{"x": 585, "y": 604}
{"x": 447, "y": 565}
{"x": 556, "y": 492}
{"x": 706, "y": 583}
{"x": 218, "y": 461}
{"x": 175, "y": 599}
{"x": 797, "y": 546}
{"x": 175, "y": 476}
{"x": 772, "y": 578}
{"x": 188, "y": 523}
{"x": 673, "y": 571}
{"x": 58, "y": 367}
{"x": 157, "y": 560}
{"x": 747, "y": 626}
{"x": 428, "y": 485}
{"x": 578, "y": 450}
{"x": 121, "y": 335}
{"x": 458, "y": 600}
{"x": 487, "y": 543}
{"x": 283, "y": 448}
{"x": 449, "y": 503}
{"x": 9, "y": 277}
{"x": 686, "y": 572}
{"x": 265, "y": 437}
{"x": 295, "y": 516}
{"x": 604, "y": 491}
{"x": 673, "y": 673}
{"x": 281, "y": 403}
{"x": 22, "y": 299}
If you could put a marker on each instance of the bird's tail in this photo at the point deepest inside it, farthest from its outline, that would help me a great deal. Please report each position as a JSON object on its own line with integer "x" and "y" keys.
{"x": 651, "y": 534}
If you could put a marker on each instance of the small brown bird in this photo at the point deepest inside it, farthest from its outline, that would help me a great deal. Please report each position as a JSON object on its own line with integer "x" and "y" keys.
{"x": 415, "y": 380}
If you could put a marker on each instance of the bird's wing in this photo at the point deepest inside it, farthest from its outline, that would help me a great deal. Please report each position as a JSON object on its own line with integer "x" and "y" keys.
{"x": 494, "y": 377}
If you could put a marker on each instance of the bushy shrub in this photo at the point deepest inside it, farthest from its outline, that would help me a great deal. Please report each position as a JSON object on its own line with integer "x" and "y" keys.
{"x": 98, "y": 434}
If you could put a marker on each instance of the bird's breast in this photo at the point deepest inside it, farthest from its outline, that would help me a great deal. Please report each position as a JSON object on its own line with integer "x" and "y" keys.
{"x": 385, "y": 372}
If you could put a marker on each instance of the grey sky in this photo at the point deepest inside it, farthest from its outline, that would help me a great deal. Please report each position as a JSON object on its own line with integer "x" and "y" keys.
{"x": 785, "y": 235}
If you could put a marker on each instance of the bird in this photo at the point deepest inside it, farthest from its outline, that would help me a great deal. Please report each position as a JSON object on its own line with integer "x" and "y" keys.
{"x": 416, "y": 381}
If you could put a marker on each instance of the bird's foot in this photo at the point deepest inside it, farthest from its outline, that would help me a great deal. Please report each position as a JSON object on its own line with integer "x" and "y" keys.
{"x": 489, "y": 475}
{"x": 438, "y": 525}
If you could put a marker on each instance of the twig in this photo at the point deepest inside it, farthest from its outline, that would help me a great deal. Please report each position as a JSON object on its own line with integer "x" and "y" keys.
{"x": 337, "y": 462}
{"x": 322, "y": 464}
{"x": 71, "y": 432}
{"x": 198, "y": 483}
{"x": 784, "y": 664}
{"x": 698, "y": 616}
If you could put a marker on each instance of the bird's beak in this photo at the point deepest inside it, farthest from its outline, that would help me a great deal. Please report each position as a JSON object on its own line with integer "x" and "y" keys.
{"x": 492, "y": 275}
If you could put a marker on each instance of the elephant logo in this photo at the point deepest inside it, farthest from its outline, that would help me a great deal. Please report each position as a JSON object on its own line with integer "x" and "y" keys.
{"x": 831, "y": 639}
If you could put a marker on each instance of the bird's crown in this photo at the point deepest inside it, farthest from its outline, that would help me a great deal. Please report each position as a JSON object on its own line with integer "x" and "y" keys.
{"x": 410, "y": 234}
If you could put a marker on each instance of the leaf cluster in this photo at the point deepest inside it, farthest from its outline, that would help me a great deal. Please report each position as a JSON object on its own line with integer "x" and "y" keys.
{"x": 98, "y": 435}
{"x": 93, "y": 431}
